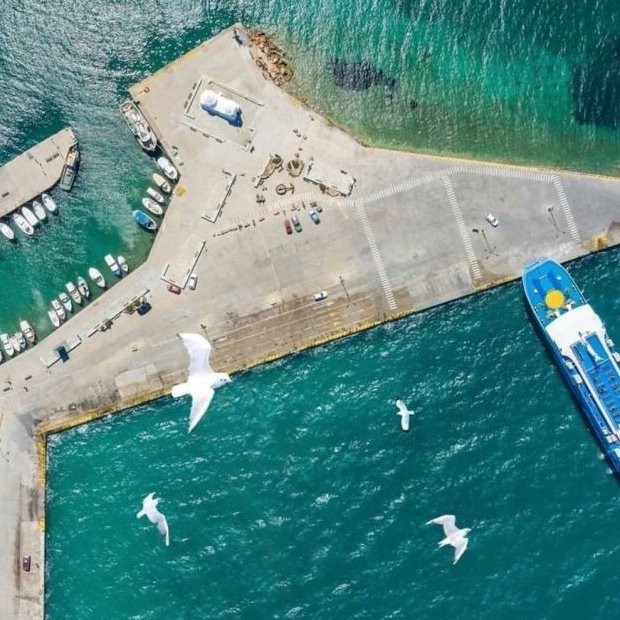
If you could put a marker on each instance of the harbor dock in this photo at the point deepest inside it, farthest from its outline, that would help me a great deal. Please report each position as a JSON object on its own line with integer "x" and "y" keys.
{"x": 35, "y": 171}
{"x": 397, "y": 233}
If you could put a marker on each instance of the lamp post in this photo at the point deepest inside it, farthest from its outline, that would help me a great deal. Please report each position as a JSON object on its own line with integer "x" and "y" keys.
{"x": 484, "y": 235}
{"x": 204, "y": 327}
{"x": 345, "y": 288}
{"x": 550, "y": 211}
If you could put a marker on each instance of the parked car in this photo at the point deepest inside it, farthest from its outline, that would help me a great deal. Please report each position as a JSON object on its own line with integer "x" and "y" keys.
{"x": 491, "y": 219}
{"x": 314, "y": 216}
{"x": 296, "y": 223}
{"x": 320, "y": 295}
{"x": 288, "y": 227}
{"x": 173, "y": 288}
{"x": 191, "y": 283}
{"x": 143, "y": 308}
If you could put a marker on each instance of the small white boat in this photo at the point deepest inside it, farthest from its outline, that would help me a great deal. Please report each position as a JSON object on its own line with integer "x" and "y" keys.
{"x": 73, "y": 292}
{"x": 30, "y": 217}
{"x": 155, "y": 195}
{"x": 7, "y": 231}
{"x": 167, "y": 168}
{"x": 122, "y": 263}
{"x": 54, "y": 318}
{"x": 83, "y": 287}
{"x": 59, "y": 310}
{"x": 17, "y": 339}
{"x": 96, "y": 276}
{"x": 152, "y": 206}
{"x": 22, "y": 224}
{"x": 6, "y": 343}
{"x": 163, "y": 185}
{"x": 28, "y": 331}
{"x": 65, "y": 300}
{"x": 49, "y": 203}
{"x": 39, "y": 211}
{"x": 112, "y": 264}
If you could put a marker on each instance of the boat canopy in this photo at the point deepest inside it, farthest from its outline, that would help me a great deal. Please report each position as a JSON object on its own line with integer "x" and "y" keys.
{"x": 218, "y": 104}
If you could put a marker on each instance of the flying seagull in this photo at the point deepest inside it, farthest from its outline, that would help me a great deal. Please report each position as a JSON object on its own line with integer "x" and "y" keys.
{"x": 455, "y": 537}
{"x": 149, "y": 508}
{"x": 201, "y": 381}
{"x": 404, "y": 414}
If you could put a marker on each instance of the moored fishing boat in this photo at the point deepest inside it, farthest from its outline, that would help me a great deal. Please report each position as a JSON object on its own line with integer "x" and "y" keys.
{"x": 144, "y": 220}
{"x": 30, "y": 217}
{"x": 28, "y": 331}
{"x": 54, "y": 318}
{"x": 165, "y": 165}
{"x": 155, "y": 195}
{"x": 584, "y": 353}
{"x": 73, "y": 292}
{"x": 65, "y": 300}
{"x": 110, "y": 261}
{"x": 97, "y": 277}
{"x": 138, "y": 125}
{"x": 18, "y": 341}
{"x": 152, "y": 206}
{"x": 39, "y": 210}
{"x": 7, "y": 345}
{"x": 49, "y": 203}
{"x": 22, "y": 224}
{"x": 83, "y": 287}
{"x": 69, "y": 171}
{"x": 122, "y": 263}
{"x": 59, "y": 309}
{"x": 163, "y": 185}
{"x": 7, "y": 231}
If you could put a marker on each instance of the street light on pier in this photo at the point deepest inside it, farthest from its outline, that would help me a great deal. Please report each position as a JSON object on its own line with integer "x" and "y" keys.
{"x": 345, "y": 288}
{"x": 481, "y": 231}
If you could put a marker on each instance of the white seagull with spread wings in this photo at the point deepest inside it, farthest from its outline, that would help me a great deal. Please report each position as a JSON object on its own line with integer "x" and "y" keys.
{"x": 455, "y": 537}
{"x": 149, "y": 508}
{"x": 202, "y": 381}
{"x": 404, "y": 414}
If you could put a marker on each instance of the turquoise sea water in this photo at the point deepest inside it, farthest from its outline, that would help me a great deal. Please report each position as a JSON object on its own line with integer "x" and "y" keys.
{"x": 298, "y": 496}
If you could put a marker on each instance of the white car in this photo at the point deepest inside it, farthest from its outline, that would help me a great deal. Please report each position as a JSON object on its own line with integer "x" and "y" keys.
{"x": 191, "y": 283}
{"x": 320, "y": 296}
{"x": 491, "y": 219}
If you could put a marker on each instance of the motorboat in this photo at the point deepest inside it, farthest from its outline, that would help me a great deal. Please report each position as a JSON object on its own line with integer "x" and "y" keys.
{"x": 30, "y": 217}
{"x": 59, "y": 309}
{"x": 110, "y": 261}
{"x": 70, "y": 169}
{"x": 155, "y": 195}
{"x": 65, "y": 300}
{"x": 163, "y": 185}
{"x": 16, "y": 340}
{"x": 8, "y": 346}
{"x": 122, "y": 263}
{"x": 73, "y": 292}
{"x": 152, "y": 206}
{"x": 27, "y": 331}
{"x": 165, "y": 165}
{"x": 83, "y": 287}
{"x": 144, "y": 220}
{"x": 7, "y": 231}
{"x": 39, "y": 211}
{"x": 49, "y": 204}
{"x": 139, "y": 126}
{"x": 22, "y": 224}
{"x": 54, "y": 318}
{"x": 96, "y": 276}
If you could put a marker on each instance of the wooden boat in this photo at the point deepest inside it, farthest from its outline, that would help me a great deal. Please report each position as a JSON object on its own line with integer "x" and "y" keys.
{"x": 49, "y": 204}
{"x": 144, "y": 220}
{"x": 54, "y": 318}
{"x": 73, "y": 292}
{"x": 8, "y": 346}
{"x": 30, "y": 217}
{"x": 155, "y": 195}
{"x": 65, "y": 300}
{"x": 59, "y": 310}
{"x": 96, "y": 276}
{"x": 39, "y": 211}
{"x": 7, "y": 231}
{"x": 165, "y": 165}
{"x": 28, "y": 332}
{"x": 83, "y": 287}
{"x": 163, "y": 185}
{"x": 122, "y": 263}
{"x": 69, "y": 172}
{"x": 152, "y": 206}
{"x": 22, "y": 224}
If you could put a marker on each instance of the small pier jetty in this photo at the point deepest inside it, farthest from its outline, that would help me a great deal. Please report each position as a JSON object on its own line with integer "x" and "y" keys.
{"x": 34, "y": 171}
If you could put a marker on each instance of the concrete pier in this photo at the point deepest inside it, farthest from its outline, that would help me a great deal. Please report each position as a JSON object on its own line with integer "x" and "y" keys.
{"x": 34, "y": 171}
{"x": 410, "y": 234}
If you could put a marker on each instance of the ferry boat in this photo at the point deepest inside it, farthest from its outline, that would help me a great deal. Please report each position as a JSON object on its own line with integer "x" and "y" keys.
{"x": 69, "y": 172}
{"x": 581, "y": 347}
{"x": 138, "y": 125}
